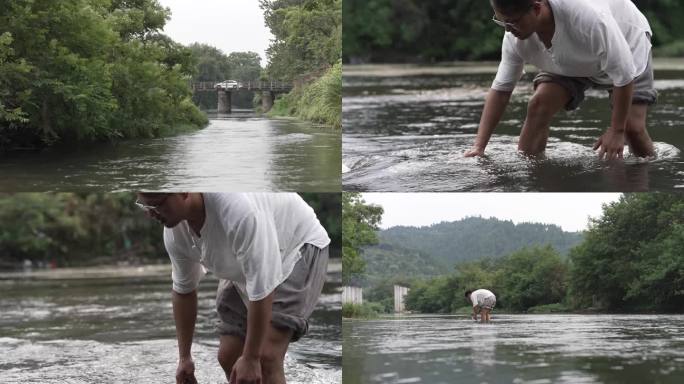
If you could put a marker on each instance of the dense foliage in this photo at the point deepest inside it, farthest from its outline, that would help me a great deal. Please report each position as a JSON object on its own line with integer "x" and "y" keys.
{"x": 632, "y": 259}
{"x": 359, "y": 223}
{"x": 94, "y": 229}
{"x": 445, "y": 30}
{"x": 318, "y": 101}
{"x": 76, "y": 70}
{"x": 633, "y": 256}
{"x": 307, "y": 36}
{"x": 307, "y": 49}
{"x": 527, "y": 278}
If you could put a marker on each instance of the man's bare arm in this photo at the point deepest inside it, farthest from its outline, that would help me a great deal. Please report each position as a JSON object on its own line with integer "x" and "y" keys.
{"x": 494, "y": 107}
{"x": 612, "y": 142}
{"x": 185, "y": 316}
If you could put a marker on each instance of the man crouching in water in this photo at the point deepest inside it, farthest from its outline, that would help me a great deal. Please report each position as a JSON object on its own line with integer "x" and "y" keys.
{"x": 270, "y": 253}
{"x": 483, "y": 302}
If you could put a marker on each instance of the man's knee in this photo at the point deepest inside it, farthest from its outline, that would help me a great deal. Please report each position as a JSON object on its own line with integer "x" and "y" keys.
{"x": 538, "y": 108}
{"x": 227, "y": 356}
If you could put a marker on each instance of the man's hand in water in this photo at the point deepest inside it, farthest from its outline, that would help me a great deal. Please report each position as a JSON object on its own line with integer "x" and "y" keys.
{"x": 474, "y": 151}
{"x": 185, "y": 373}
{"x": 246, "y": 371}
{"x": 610, "y": 145}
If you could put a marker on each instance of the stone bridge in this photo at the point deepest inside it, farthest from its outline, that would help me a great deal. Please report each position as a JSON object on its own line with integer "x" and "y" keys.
{"x": 268, "y": 89}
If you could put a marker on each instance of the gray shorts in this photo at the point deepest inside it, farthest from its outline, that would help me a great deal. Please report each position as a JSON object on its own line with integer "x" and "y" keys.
{"x": 293, "y": 302}
{"x": 487, "y": 303}
{"x": 644, "y": 91}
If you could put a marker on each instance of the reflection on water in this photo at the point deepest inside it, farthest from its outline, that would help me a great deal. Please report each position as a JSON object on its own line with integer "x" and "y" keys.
{"x": 121, "y": 330}
{"x": 515, "y": 349}
{"x": 241, "y": 151}
{"x": 409, "y": 134}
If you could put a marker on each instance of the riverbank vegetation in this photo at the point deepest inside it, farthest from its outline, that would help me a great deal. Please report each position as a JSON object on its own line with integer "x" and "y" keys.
{"x": 385, "y": 31}
{"x": 72, "y": 230}
{"x": 91, "y": 70}
{"x": 307, "y": 50}
{"x": 631, "y": 259}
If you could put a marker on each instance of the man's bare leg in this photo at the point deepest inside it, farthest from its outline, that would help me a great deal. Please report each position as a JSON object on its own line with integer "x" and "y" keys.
{"x": 485, "y": 315}
{"x": 640, "y": 143}
{"x": 548, "y": 99}
{"x": 273, "y": 356}
{"x": 230, "y": 349}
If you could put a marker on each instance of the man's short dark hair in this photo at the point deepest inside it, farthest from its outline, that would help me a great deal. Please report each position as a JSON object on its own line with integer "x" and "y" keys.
{"x": 467, "y": 293}
{"x": 512, "y": 7}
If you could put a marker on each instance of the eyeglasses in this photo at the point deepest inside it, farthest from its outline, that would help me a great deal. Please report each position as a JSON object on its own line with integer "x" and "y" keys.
{"x": 513, "y": 23}
{"x": 151, "y": 208}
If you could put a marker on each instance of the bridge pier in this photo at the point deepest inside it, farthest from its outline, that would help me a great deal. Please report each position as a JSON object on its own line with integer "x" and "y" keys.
{"x": 224, "y": 101}
{"x": 267, "y": 98}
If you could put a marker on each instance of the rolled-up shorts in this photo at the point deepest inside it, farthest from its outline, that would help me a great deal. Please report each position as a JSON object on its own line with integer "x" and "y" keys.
{"x": 487, "y": 303}
{"x": 293, "y": 302}
{"x": 644, "y": 91}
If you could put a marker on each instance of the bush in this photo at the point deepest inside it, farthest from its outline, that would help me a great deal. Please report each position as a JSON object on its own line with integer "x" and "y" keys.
{"x": 364, "y": 311}
{"x": 549, "y": 308}
{"x": 319, "y": 101}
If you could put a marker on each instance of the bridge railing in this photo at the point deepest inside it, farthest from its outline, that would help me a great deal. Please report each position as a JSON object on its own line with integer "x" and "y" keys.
{"x": 273, "y": 85}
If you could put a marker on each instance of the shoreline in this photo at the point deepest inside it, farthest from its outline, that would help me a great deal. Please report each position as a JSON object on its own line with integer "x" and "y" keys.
{"x": 464, "y": 68}
{"x": 112, "y": 271}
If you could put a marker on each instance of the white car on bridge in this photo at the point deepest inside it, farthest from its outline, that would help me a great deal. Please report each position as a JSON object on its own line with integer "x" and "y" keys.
{"x": 228, "y": 84}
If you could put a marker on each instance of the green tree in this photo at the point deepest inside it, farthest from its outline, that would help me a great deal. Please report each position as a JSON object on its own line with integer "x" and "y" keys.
{"x": 307, "y": 36}
{"x": 632, "y": 255}
{"x": 86, "y": 70}
{"x": 246, "y": 66}
{"x": 531, "y": 277}
{"x": 359, "y": 223}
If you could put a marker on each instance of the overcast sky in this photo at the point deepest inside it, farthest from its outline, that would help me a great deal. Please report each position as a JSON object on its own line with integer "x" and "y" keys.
{"x": 568, "y": 210}
{"x": 230, "y": 25}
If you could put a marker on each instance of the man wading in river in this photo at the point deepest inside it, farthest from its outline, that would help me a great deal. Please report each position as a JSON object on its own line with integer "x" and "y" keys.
{"x": 577, "y": 44}
{"x": 483, "y": 302}
{"x": 271, "y": 254}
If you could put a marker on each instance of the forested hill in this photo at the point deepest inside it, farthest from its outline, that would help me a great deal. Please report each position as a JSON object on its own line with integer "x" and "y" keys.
{"x": 471, "y": 238}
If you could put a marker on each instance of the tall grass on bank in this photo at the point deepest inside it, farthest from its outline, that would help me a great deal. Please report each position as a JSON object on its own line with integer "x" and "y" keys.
{"x": 319, "y": 101}
{"x": 361, "y": 311}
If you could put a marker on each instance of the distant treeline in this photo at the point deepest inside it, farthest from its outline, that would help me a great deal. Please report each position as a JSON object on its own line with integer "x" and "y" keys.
{"x": 67, "y": 229}
{"x": 91, "y": 70}
{"x": 447, "y": 30}
{"x": 632, "y": 259}
{"x": 214, "y": 66}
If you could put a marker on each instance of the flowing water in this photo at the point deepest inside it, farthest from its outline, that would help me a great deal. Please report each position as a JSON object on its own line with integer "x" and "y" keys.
{"x": 407, "y": 131}
{"x": 121, "y": 330}
{"x": 515, "y": 349}
{"x": 237, "y": 152}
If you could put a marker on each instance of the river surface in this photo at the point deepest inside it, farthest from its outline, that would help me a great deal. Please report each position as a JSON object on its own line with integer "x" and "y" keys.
{"x": 237, "y": 152}
{"x": 408, "y": 130}
{"x": 121, "y": 330}
{"x": 515, "y": 349}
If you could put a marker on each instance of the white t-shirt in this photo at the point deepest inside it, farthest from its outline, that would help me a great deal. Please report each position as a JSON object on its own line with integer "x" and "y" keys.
{"x": 252, "y": 239}
{"x": 604, "y": 40}
{"x": 479, "y": 295}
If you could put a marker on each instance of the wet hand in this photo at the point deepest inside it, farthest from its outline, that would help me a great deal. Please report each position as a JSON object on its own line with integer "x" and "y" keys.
{"x": 610, "y": 145}
{"x": 474, "y": 151}
{"x": 185, "y": 373}
{"x": 246, "y": 371}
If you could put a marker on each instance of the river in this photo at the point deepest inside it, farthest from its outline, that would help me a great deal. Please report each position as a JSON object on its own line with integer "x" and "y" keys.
{"x": 120, "y": 329}
{"x": 236, "y": 152}
{"x": 515, "y": 349}
{"x": 405, "y": 128}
